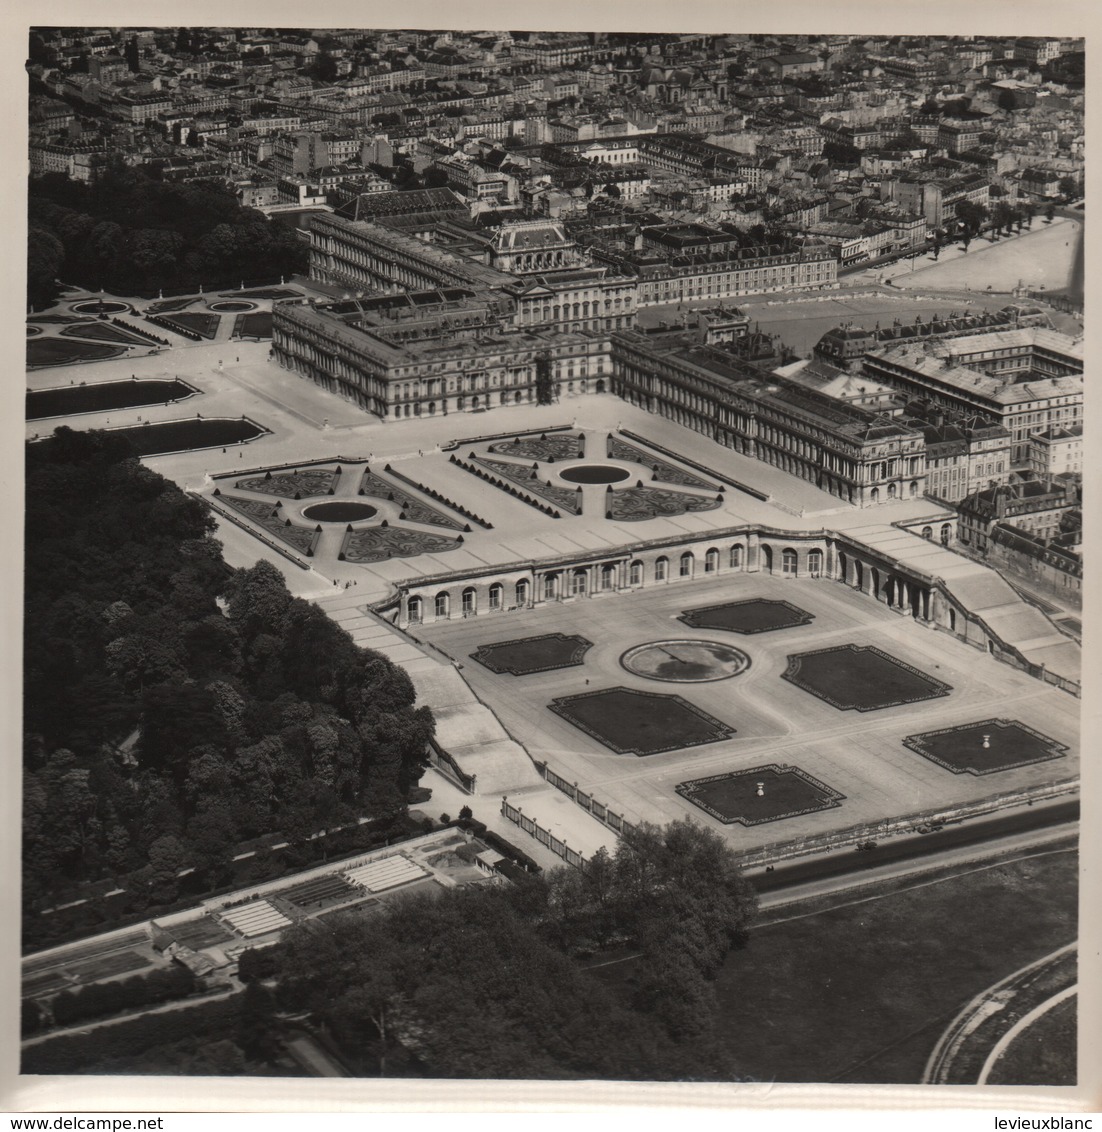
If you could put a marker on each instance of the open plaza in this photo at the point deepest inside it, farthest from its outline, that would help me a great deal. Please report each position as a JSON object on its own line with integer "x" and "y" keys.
{"x": 756, "y": 718}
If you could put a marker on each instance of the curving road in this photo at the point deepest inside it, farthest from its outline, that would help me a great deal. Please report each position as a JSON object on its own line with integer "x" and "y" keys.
{"x": 963, "y": 1031}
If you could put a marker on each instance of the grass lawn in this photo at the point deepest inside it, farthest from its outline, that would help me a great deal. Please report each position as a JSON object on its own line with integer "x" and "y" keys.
{"x": 1008, "y": 744}
{"x": 533, "y": 654}
{"x": 639, "y": 723}
{"x": 752, "y": 615}
{"x": 861, "y": 994}
{"x": 255, "y": 325}
{"x": 786, "y": 792}
{"x": 263, "y": 293}
{"x": 1043, "y": 1054}
{"x": 55, "y": 352}
{"x": 179, "y": 436}
{"x": 103, "y": 332}
{"x": 861, "y": 677}
{"x": 196, "y": 321}
{"x": 103, "y": 396}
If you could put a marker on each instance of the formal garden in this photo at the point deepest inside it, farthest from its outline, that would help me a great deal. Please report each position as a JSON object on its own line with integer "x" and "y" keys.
{"x": 660, "y": 470}
{"x": 414, "y": 510}
{"x": 294, "y": 484}
{"x": 986, "y": 747}
{"x": 634, "y": 504}
{"x": 103, "y": 332}
{"x": 640, "y": 723}
{"x": 264, "y": 293}
{"x": 527, "y": 655}
{"x": 377, "y": 544}
{"x": 271, "y": 518}
{"x": 549, "y": 448}
{"x": 190, "y": 323}
{"x": 861, "y": 677}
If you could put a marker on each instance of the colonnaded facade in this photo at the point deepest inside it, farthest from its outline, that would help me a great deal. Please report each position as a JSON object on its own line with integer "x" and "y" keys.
{"x": 817, "y": 556}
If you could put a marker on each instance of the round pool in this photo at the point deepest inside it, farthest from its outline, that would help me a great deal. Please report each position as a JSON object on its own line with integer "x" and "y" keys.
{"x": 594, "y": 473}
{"x": 685, "y": 661}
{"x": 339, "y": 512}
{"x": 232, "y": 305}
{"x": 95, "y": 306}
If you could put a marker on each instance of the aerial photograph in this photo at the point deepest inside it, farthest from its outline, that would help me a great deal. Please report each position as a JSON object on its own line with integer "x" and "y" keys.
{"x": 552, "y": 556}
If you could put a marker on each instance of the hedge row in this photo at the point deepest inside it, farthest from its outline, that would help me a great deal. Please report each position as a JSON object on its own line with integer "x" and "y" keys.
{"x": 505, "y": 486}
{"x": 168, "y": 324}
{"x": 138, "y": 330}
{"x": 438, "y": 498}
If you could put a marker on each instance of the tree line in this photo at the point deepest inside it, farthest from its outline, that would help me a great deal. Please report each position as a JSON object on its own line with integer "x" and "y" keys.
{"x": 131, "y": 235}
{"x": 175, "y": 708}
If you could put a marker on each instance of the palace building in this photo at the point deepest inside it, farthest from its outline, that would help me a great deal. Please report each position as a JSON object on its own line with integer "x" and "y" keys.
{"x": 532, "y": 264}
{"x": 433, "y": 353}
{"x": 860, "y": 454}
{"x": 1027, "y": 380}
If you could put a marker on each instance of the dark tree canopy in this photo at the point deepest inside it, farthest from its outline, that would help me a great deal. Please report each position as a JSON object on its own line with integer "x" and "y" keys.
{"x": 160, "y": 731}
{"x": 481, "y": 982}
{"x": 132, "y": 235}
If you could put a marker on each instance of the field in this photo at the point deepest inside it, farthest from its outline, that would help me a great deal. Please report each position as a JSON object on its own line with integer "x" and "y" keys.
{"x": 861, "y": 992}
{"x": 1043, "y": 1054}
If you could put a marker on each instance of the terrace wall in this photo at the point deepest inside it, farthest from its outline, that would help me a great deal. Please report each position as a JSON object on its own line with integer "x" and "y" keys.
{"x": 810, "y": 555}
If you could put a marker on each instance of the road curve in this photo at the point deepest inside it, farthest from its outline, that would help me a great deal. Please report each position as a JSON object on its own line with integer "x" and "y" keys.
{"x": 987, "y": 1003}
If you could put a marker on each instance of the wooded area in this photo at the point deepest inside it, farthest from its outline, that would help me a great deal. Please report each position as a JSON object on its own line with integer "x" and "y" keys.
{"x": 130, "y": 235}
{"x": 491, "y": 982}
{"x": 175, "y": 708}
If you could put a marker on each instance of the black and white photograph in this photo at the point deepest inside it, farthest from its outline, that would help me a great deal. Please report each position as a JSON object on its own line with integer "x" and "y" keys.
{"x": 551, "y": 555}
